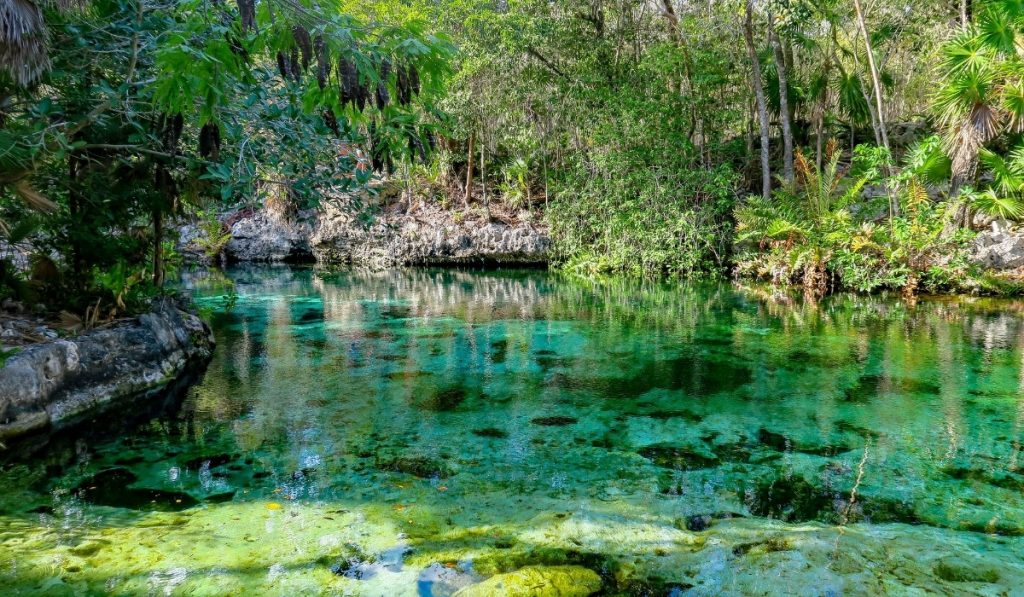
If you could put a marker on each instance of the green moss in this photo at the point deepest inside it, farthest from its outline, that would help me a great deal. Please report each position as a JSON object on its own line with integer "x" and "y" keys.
{"x": 956, "y": 570}
{"x": 538, "y": 581}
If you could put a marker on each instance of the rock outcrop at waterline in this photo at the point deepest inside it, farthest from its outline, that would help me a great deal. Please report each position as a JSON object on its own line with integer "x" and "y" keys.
{"x": 999, "y": 249}
{"x": 54, "y": 385}
{"x": 428, "y": 236}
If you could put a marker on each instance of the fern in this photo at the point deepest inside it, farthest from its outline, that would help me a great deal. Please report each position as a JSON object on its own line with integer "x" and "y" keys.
{"x": 917, "y": 195}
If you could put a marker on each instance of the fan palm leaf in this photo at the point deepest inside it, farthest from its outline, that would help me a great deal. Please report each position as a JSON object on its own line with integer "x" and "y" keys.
{"x": 1005, "y": 207}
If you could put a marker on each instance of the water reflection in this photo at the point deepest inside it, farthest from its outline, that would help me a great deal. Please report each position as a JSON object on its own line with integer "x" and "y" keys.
{"x": 414, "y": 432}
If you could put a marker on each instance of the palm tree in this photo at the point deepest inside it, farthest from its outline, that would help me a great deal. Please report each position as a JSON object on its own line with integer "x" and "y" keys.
{"x": 22, "y": 41}
{"x": 982, "y": 94}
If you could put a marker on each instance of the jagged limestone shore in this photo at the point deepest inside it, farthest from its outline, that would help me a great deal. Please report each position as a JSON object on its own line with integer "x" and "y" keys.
{"x": 335, "y": 235}
{"x": 57, "y": 384}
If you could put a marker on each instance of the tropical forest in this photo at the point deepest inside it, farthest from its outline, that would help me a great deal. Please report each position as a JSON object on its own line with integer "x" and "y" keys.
{"x": 468, "y": 298}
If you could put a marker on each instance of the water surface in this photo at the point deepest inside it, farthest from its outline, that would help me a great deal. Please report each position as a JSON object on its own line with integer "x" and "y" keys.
{"x": 413, "y": 433}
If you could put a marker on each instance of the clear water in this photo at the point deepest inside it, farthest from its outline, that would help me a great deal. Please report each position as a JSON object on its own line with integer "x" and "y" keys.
{"x": 414, "y": 433}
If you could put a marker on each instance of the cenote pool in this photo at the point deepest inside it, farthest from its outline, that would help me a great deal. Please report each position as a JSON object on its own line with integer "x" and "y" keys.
{"x": 419, "y": 432}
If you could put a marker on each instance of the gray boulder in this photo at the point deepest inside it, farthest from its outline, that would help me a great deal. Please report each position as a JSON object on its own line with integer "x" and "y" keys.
{"x": 267, "y": 237}
{"x": 999, "y": 249}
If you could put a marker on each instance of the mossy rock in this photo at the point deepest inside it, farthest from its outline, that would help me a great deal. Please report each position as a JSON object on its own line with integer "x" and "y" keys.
{"x": 418, "y": 466}
{"x": 538, "y": 581}
{"x": 958, "y": 570}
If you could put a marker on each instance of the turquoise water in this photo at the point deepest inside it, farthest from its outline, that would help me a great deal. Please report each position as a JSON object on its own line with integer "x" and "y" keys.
{"x": 425, "y": 432}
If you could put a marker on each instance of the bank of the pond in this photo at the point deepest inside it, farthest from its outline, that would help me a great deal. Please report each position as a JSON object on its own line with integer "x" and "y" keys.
{"x": 428, "y": 234}
{"x": 57, "y": 384}
{"x": 389, "y": 237}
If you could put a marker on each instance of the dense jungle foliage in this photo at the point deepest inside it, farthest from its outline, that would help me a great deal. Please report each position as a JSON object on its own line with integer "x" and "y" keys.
{"x": 855, "y": 144}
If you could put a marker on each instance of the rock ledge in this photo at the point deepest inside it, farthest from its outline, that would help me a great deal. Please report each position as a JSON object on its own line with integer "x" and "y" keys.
{"x": 54, "y": 385}
{"x": 333, "y": 235}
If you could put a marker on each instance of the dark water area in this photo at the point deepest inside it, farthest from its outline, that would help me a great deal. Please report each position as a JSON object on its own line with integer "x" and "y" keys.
{"x": 418, "y": 432}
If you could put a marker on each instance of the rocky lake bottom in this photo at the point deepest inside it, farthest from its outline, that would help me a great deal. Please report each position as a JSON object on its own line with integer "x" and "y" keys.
{"x": 433, "y": 433}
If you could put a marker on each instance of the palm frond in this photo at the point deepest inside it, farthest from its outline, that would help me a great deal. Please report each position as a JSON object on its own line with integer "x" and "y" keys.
{"x": 993, "y": 204}
{"x": 928, "y": 161}
{"x": 1007, "y": 174}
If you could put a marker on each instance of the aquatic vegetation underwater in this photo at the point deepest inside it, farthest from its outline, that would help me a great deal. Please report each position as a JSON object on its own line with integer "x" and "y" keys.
{"x": 450, "y": 432}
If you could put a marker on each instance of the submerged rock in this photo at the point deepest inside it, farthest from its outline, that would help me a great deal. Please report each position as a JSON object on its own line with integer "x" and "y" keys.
{"x": 791, "y": 499}
{"x": 870, "y": 387}
{"x": 555, "y": 421}
{"x": 112, "y": 488}
{"x": 769, "y": 545}
{"x": 954, "y": 569}
{"x": 1000, "y": 479}
{"x": 794, "y": 499}
{"x": 212, "y": 461}
{"x": 445, "y": 400}
{"x": 418, "y": 466}
{"x": 698, "y": 522}
{"x": 677, "y": 457}
{"x": 781, "y": 443}
{"x": 538, "y": 581}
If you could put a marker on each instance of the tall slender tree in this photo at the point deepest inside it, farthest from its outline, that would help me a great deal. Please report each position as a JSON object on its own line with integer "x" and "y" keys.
{"x": 762, "y": 104}
{"x": 784, "y": 108}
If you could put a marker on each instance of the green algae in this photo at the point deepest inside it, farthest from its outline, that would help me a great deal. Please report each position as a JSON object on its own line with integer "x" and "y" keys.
{"x": 424, "y": 433}
{"x": 538, "y": 581}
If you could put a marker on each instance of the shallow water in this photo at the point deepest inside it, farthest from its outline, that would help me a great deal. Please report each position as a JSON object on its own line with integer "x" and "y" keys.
{"x": 413, "y": 433}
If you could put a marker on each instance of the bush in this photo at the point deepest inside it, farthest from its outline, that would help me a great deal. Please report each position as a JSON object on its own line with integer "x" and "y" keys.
{"x": 646, "y": 221}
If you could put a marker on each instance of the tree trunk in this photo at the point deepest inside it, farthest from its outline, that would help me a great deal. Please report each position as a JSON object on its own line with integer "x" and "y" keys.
{"x": 894, "y": 204}
{"x": 469, "y": 172}
{"x": 784, "y": 113}
{"x": 819, "y": 133}
{"x": 819, "y": 120}
{"x": 158, "y": 248}
{"x": 76, "y": 165}
{"x": 483, "y": 181}
{"x": 875, "y": 79}
{"x": 696, "y": 122}
{"x": 762, "y": 106}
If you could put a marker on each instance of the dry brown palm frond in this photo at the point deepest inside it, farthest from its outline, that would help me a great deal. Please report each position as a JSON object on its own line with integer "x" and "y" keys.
{"x": 34, "y": 198}
{"x": 22, "y": 41}
{"x": 70, "y": 322}
{"x": 978, "y": 128}
{"x": 831, "y": 148}
{"x": 23, "y": 37}
{"x": 804, "y": 170}
{"x": 304, "y": 43}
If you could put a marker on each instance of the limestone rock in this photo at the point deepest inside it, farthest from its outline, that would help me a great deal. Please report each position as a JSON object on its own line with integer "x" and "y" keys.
{"x": 335, "y": 234}
{"x": 999, "y": 249}
{"x": 538, "y": 581}
{"x": 55, "y": 384}
{"x": 263, "y": 236}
